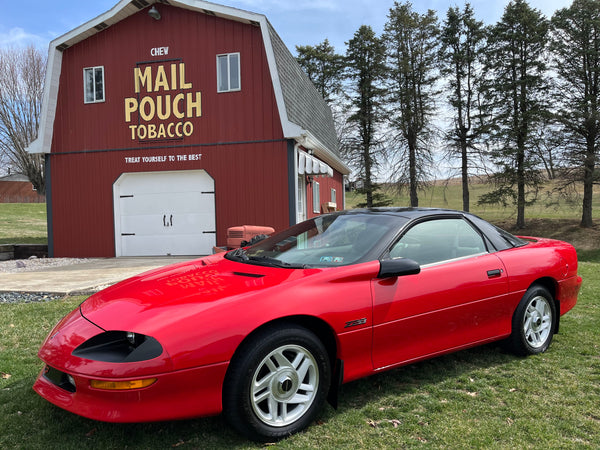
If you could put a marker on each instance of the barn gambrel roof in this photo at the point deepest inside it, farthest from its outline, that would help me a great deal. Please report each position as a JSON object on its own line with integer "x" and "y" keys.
{"x": 305, "y": 116}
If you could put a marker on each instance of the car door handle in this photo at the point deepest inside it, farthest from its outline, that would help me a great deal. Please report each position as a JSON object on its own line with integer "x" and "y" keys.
{"x": 494, "y": 273}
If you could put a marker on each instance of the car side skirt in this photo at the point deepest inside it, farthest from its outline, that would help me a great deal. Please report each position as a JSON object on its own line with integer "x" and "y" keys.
{"x": 443, "y": 352}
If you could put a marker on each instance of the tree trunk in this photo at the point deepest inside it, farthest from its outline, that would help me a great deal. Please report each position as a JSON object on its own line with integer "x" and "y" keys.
{"x": 465, "y": 176}
{"x": 588, "y": 187}
{"x": 412, "y": 160}
{"x": 520, "y": 187}
{"x": 34, "y": 170}
{"x": 367, "y": 181}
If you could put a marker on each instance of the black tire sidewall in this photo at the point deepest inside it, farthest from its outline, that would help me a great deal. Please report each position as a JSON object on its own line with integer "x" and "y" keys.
{"x": 518, "y": 341}
{"x": 237, "y": 405}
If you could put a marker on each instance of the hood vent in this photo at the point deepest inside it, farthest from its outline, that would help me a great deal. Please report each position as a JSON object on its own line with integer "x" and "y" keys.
{"x": 250, "y": 275}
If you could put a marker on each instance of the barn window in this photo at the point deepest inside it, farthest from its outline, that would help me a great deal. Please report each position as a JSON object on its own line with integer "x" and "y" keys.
{"x": 316, "y": 197}
{"x": 93, "y": 84}
{"x": 333, "y": 196}
{"x": 228, "y": 72}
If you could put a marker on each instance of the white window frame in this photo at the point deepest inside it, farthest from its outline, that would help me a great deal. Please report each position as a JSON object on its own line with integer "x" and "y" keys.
{"x": 316, "y": 197}
{"x": 96, "y": 99}
{"x": 333, "y": 196}
{"x": 301, "y": 200}
{"x": 229, "y": 73}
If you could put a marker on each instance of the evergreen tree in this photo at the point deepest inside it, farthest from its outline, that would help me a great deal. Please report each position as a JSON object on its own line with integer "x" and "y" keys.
{"x": 412, "y": 46}
{"x": 323, "y": 66}
{"x": 515, "y": 90}
{"x": 463, "y": 39}
{"x": 576, "y": 49}
{"x": 365, "y": 69}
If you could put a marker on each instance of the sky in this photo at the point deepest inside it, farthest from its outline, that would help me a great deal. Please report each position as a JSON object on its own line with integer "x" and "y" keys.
{"x": 298, "y": 22}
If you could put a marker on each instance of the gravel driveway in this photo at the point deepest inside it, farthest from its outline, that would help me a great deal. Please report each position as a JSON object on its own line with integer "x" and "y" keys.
{"x": 31, "y": 265}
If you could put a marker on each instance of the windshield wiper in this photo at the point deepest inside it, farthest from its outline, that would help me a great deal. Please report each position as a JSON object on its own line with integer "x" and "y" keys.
{"x": 239, "y": 254}
{"x": 268, "y": 261}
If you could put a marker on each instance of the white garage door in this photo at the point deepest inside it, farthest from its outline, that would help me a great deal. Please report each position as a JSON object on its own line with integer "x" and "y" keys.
{"x": 164, "y": 213}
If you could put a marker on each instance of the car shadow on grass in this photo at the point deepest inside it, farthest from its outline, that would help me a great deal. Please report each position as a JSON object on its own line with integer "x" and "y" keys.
{"x": 448, "y": 371}
{"x": 28, "y": 421}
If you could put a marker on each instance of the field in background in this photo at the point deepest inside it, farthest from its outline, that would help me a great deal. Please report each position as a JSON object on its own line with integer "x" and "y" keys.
{"x": 23, "y": 223}
{"x": 551, "y": 216}
{"x": 449, "y": 195}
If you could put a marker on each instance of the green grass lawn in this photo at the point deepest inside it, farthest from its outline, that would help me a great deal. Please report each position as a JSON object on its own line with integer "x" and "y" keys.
{"x": 23, "y": 223}
{"x": 479, "y": 398}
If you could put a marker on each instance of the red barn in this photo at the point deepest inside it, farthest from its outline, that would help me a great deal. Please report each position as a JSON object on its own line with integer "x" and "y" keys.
{"x": 166, "y": 122}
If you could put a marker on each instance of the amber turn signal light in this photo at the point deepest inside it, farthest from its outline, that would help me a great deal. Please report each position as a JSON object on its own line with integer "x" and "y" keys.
{"x": 121, "y": 385}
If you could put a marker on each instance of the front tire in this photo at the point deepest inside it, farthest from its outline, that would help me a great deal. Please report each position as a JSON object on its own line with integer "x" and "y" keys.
{"x": 533, "y": 323}
{"x": 276, "y": 383}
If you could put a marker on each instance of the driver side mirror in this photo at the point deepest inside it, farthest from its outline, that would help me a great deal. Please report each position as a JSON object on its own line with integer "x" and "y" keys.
{"x": 398, "y": 267}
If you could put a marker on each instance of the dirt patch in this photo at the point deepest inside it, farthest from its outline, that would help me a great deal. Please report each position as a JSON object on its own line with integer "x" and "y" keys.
{"x": 563, "y": 229}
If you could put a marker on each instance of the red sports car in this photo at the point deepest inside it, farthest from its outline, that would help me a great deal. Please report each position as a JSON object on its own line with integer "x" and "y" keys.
{"x": 266, "y": 334}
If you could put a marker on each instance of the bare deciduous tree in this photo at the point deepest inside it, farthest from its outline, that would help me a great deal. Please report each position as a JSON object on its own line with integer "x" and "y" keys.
{"x": 22, "y": 73}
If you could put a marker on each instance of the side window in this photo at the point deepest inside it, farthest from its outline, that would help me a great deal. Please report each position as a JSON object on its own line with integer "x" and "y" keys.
{"x": 316, "y": 197}
{"x": 93, "y": 84}
{"x": 438, "y": 240}
{"x": 228, "y": 72}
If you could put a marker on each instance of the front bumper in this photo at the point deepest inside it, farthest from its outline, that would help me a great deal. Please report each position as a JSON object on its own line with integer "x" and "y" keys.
{"x": 181, "y": 394}
{"x": 66, "y": 381}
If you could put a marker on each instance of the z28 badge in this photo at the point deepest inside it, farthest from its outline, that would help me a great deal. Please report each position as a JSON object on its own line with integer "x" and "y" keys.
{"x": 356, "y": 322}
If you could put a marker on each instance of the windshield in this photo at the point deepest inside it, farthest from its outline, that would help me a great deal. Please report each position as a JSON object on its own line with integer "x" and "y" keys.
{"x": 325, "y": 241}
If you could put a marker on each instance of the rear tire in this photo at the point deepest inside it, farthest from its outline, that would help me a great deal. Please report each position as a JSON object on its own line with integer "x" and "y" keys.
{"x": 533, "y": 323}
{"x": 276, "y": 383}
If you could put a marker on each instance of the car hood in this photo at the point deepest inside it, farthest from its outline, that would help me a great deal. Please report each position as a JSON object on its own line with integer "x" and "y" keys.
{"x": 201, "y": 310}
{"x": 150, "y": 300}
{"x": 198, "y": 310}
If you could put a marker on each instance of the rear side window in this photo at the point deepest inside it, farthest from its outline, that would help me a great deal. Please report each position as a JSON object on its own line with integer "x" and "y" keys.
{"x": 439, "y": 240}
{"x": 500, "y": 239}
